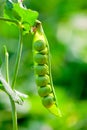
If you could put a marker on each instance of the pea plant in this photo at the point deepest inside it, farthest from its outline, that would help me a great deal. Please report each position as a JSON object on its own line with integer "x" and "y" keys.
{"x": 26, "y": 20}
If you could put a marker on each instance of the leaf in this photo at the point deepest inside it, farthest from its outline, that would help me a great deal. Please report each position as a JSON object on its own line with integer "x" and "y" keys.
{"x": 15, "y": 11}
{"x": 9, "y": 11}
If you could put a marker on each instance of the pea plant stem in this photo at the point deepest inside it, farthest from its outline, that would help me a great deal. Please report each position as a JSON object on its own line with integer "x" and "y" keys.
{"x": 19, "y": 48}
{"x": 7, "y": 64}
{"x": 14, "y": 113}
{"x": 9, "y": 20}
{"x": 13, "y": 106}
{"x": 18, "y": 58}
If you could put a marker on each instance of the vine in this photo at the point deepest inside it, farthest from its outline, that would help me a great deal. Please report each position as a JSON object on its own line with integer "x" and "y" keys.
{"x": 25, "y": 19}
{"x": 11, "y": 13}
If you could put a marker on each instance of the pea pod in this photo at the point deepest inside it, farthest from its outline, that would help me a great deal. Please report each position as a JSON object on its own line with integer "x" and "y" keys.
{"x": 42, "y": 66}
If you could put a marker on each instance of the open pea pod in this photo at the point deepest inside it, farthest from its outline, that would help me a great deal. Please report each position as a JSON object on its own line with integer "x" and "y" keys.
{"x": 42, "y": 67}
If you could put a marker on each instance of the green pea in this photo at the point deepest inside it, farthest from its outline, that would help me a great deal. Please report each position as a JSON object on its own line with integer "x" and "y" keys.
{"x": 48, "y": 101}
{"x": 44, "y": 91}
{"x": 42, "y": 80}
{"x": 41, "y": 69}
{"x": 40, "y": 59}
{"x": 39, "y": 45}
{"x": 45, "y": 51}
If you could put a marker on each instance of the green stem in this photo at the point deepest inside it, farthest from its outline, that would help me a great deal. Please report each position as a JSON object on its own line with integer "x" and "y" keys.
{"x": 6, "y": 61}
{"x": 14, "y": 113}
{"x": 18, "y": 58}
{"x": 9, "y": 20}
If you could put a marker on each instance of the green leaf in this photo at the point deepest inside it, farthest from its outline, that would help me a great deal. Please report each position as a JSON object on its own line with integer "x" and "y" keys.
{"x": 9, "y": 11}
{"x": 26, "y": 17}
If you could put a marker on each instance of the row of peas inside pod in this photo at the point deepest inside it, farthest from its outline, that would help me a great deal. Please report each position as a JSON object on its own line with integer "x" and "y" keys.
{"x": 43, "y": 71}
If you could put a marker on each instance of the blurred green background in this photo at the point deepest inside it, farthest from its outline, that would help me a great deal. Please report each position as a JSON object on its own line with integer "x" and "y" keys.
{"x": 65, "y": 25}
